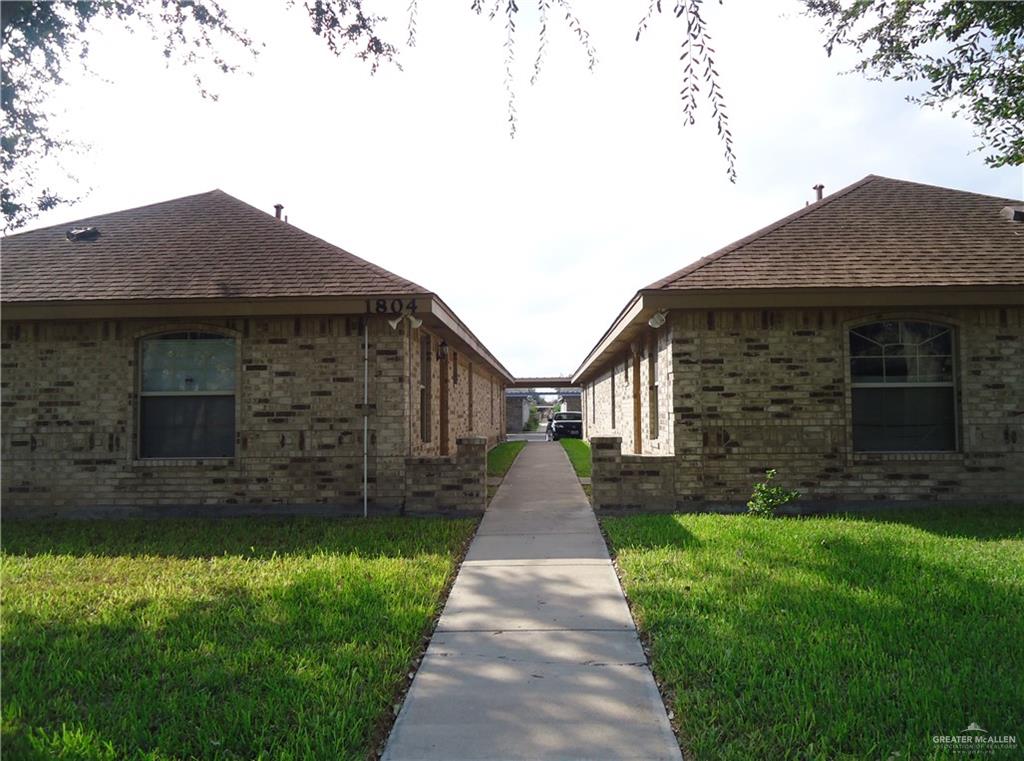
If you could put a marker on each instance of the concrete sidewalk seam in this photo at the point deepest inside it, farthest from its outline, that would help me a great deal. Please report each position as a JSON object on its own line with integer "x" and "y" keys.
{"x": 520, "y": 631}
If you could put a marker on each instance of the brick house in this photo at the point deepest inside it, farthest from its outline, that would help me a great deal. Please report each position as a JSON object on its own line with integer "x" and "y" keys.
{"x": 200, "y": 351}
{"x": 868, "y": 347}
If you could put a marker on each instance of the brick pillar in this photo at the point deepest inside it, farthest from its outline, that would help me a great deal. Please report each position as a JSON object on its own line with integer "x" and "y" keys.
{"x": 606, "y": 474}
{"x": 471, "y": 461}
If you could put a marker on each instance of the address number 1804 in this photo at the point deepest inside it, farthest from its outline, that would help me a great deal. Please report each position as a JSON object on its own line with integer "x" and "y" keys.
{"x": 390, "y": 306}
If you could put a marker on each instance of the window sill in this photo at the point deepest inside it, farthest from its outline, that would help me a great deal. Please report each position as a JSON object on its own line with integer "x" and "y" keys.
{"x": 172, "y": 462}
{"x": 906, "y": 456}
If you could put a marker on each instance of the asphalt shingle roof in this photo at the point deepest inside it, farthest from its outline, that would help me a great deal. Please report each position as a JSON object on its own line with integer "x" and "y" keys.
{"x": 209, "y": 245}
{"x": 877, "y": 232}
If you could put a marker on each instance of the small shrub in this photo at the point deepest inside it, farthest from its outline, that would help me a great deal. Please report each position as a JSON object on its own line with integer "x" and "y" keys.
{"x": 767, "y": 498}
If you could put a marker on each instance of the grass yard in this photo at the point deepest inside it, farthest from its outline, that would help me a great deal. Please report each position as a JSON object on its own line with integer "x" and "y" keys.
{"x": 579, "y": 455}
{"x": 240, "y": 639}
{"x": 832, "y": 638}
{"x": 501, "y": 457}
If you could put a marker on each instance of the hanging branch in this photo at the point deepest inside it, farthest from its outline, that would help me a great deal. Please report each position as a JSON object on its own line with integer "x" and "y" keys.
{"x": 690, "y": 60}
{"x": 642, "y": 26}
{"x": 414, "y": 8}
{"x": 581, "y": 33}
{"x": 698, "y": 64}
{"x": 510, "y": 58}
{"x": 543, "y": 6}
{"x": 698, "y": 51}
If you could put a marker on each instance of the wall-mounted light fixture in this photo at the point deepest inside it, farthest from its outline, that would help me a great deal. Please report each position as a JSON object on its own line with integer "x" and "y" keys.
{"x": 414, "y": 321}
{"x": 657, "y": 319}
{"x": 442, "y": 351}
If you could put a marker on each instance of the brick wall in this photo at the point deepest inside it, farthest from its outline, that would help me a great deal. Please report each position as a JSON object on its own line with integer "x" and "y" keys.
{"x": 70, "y": 406}
{"x": 597, "y": 396}
{"x": 457, "y": 484}
{"x": 471, "y": 399}
{"x": 628, "y": 481}
{"x": 488, "y": 402}
{"x": 757, "y": 389}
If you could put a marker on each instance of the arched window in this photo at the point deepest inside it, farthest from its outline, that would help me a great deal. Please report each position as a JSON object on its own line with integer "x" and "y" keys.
{"x": 904, "y": 387}
{"x": 187, "y": 395}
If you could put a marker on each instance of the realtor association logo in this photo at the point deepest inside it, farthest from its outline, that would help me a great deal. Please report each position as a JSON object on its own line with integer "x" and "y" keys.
{"x": 975, "y": 739}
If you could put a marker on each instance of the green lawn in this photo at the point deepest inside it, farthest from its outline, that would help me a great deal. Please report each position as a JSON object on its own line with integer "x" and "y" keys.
{"x": 241, "y": 639}
{"x": 832, "y": 638}
{"x": 579, "y": 455}
{"x": 501, "y": 457}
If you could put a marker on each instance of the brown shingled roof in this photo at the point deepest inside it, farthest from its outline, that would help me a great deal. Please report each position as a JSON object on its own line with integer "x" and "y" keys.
{"x": 877, "y": 232}
{"x": 874, "y": 240}
{"x": 209, "y": 245}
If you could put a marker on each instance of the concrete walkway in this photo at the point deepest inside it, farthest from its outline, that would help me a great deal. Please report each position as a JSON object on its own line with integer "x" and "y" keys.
{"x": 535, "y": 655}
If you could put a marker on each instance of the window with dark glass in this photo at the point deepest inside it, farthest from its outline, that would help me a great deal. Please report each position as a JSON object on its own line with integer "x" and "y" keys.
{"x": 187, "y": 395}
{"x": 903, "y": 387}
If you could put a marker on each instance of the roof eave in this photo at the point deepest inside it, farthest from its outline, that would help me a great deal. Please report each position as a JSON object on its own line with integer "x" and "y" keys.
{"x": 233, "y": 306}
{"x": 647, "y": 302}
{"x": 448, "y": 318}
{"x": 1009, "y": 294}
{"x": 439, "y": 314}
{"x": 634, "y": 311}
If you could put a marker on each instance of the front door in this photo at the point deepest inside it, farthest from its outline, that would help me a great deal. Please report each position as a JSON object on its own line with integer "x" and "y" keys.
{"x": 444, "y": 405}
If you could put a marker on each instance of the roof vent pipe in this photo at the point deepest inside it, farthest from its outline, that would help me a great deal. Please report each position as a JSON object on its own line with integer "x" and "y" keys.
{"x": 277, "y": 210}
{"x": 819, "y": 189}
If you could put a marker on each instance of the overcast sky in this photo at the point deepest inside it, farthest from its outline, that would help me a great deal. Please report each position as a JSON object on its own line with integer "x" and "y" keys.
{"x": 535, "y": 242}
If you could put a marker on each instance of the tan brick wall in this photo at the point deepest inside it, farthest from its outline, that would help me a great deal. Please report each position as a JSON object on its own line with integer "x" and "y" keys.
{"x": 70, "y": 405}
{"x": 630, "y": 481}
{"x": 457, "y": 483}
{"x": 484, "y": 383}
{"x": 598, "y": 417}
{"x": 605, "y": 418}
{"x": 488, "y": 388}
{"x": 757, "y": 389}
{"x": 488, "y": 402}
